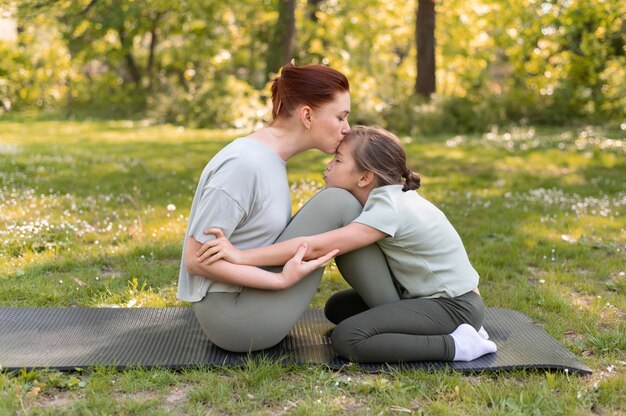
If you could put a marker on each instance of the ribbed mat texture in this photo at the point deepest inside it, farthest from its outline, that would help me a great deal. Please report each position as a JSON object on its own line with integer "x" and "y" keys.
{"x": 70, "y": 338}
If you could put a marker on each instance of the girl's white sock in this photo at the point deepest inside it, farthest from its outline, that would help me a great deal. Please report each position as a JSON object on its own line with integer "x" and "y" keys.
{"x": 483, "y": 334}
{"x": 469, "y": 345}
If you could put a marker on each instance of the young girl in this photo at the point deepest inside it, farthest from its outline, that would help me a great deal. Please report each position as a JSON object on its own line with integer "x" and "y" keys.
{"x": 439, "y": 310}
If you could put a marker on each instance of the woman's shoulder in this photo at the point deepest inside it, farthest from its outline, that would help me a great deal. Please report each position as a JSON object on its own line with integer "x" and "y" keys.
{"x": 247, "y": 153}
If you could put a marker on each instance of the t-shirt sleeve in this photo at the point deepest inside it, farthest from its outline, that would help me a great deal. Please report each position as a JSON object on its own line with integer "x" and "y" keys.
{"x": 217, "y": 209}
{"x": 380, "y": 213}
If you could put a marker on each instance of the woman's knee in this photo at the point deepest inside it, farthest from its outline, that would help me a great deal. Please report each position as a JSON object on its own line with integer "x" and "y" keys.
{"x": 327, "y": 210}
{"x": 337, "y": 203}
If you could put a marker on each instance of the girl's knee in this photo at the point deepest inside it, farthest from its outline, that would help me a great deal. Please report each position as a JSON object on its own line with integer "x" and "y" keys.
{"x": 345, "y": 341}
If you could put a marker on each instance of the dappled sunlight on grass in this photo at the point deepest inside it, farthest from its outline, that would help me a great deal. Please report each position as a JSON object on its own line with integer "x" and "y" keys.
{"x": 302, "y": 190}
{"x": 93, "y": 214}
{"x": 546, "y": 162}
{"x": 138, "y": 295}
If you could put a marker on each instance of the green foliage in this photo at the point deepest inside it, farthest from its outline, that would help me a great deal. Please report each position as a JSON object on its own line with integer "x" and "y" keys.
{"x": 204, "y": 63}
{"x": 240, "y": 106}
{"x": 32, "y": 72}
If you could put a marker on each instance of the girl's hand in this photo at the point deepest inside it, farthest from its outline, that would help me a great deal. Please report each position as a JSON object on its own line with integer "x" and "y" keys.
{"x": 296, "y": 268}
{"x": 220, "y": 248}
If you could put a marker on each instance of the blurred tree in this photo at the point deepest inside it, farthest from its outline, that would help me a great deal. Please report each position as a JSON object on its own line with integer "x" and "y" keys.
{"x": 283, "y": 41}
{"x": 425, "y": 84}
{"x": 124, "y": 33}
{"x": 207, "y": 62}
{"x": 33, "y": 67}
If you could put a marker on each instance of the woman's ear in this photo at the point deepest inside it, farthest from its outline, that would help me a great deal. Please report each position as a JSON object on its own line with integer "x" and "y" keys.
{"x": 305, "y": 116}
{"x": 367, "y": 178}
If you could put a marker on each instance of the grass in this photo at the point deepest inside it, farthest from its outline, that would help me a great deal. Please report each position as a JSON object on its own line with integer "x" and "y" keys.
{"x": 93, "y": 214}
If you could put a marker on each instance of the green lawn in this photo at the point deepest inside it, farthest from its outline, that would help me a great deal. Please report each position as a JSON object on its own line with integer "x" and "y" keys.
{"x": 94, "y": 213}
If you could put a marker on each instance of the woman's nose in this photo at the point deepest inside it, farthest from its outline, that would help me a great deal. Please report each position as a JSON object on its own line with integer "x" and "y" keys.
{"x": 346, "y": 128}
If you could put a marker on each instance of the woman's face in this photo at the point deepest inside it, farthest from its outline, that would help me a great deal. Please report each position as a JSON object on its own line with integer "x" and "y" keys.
{"x": 342, "y": 171}
{"x": 329, "y": 123}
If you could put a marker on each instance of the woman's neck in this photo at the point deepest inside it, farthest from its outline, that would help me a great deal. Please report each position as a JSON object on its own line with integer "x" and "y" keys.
{"x": 283, "y": 139}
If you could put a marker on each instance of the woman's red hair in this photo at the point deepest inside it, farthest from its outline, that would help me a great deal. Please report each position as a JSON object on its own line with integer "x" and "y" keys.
{"x": 312, "y": 85}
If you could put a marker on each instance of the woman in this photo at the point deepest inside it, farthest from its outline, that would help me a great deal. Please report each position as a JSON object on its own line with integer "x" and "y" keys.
{"x": 244, "y": 191}
{"x": 440, "y": 312}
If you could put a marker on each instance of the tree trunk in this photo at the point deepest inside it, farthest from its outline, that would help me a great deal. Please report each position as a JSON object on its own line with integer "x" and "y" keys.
{"x": 425, "y": 41}
{"x": 69, "y": 103}
{"x": 283, "y": 43}
{"x": 131, "y": 66}
{"x": 153, "y": 44}
{"x": 133, "y": 69}
{"x": 313, "y": 7}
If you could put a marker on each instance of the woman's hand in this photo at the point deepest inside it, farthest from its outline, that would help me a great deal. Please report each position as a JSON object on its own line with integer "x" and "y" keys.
{"x": 296, "y": 268}
{"x": 220, "y": 248}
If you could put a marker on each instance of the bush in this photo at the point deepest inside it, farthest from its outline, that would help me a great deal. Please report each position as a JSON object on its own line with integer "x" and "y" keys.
{"x": 213, "y": 101}
{"x": 415, "y": 115}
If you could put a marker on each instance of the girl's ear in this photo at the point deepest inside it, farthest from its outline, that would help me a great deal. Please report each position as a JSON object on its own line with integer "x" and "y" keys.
{"x": 366, "y": 179}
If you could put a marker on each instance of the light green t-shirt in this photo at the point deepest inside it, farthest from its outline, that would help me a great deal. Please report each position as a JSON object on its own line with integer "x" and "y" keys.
{"x": 423, "y": 250}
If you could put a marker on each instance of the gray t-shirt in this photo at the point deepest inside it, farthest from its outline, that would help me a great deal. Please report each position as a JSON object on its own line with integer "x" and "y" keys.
{"x": 423, "y": 250}
{"x": 244, "y": 191}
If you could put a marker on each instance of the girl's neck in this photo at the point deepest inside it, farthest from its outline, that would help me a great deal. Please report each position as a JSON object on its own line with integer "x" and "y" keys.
{"x": 361, "y": 194}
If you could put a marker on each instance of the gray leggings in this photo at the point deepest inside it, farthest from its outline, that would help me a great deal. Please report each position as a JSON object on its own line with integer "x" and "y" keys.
{"x": 254, "y": 319}
{"x": 405, "y": 330}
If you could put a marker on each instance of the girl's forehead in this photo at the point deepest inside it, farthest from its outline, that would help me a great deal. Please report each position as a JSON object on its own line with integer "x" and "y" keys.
{"x": 344, "y": 148}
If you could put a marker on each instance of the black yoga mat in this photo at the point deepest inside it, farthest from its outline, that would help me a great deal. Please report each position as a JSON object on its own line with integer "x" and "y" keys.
{"x": 70, "y": 338}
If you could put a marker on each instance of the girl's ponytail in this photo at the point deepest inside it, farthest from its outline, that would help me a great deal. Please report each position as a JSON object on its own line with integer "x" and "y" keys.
{"x": 412, "y": 180}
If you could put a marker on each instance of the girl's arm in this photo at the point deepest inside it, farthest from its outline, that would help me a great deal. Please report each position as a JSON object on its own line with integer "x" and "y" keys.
{"x": 345, "y": 239}
{"x": 295, "y": 269}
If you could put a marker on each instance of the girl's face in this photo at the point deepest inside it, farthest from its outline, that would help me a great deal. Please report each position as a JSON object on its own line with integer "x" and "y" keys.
{"x": 342, "y": 171}
{"x": 329, "y": 123}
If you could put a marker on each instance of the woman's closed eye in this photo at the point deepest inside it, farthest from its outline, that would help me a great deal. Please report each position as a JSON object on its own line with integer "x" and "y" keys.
{"x": 343, "y": 116}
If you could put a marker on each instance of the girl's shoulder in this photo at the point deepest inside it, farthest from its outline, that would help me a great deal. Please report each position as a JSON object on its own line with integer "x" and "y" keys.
{"x": 387, "y": 191}
{"x": 384, "y": 197}
{"x": 393, "y": 193}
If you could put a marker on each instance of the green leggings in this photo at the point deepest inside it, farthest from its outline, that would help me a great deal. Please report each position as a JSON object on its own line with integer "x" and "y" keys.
{"x": 406, "y": 330}
{"x": 374, "y": 324}
{"x": 255, "y": 319}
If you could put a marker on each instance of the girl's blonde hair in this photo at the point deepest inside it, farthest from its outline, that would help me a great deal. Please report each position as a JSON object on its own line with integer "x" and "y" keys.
{"x": 380, "y": 151}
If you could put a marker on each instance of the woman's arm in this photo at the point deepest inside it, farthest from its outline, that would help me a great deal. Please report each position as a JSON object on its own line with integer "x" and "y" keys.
{"x": 344, "y": 239}
{"x": 295, "y": 269}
